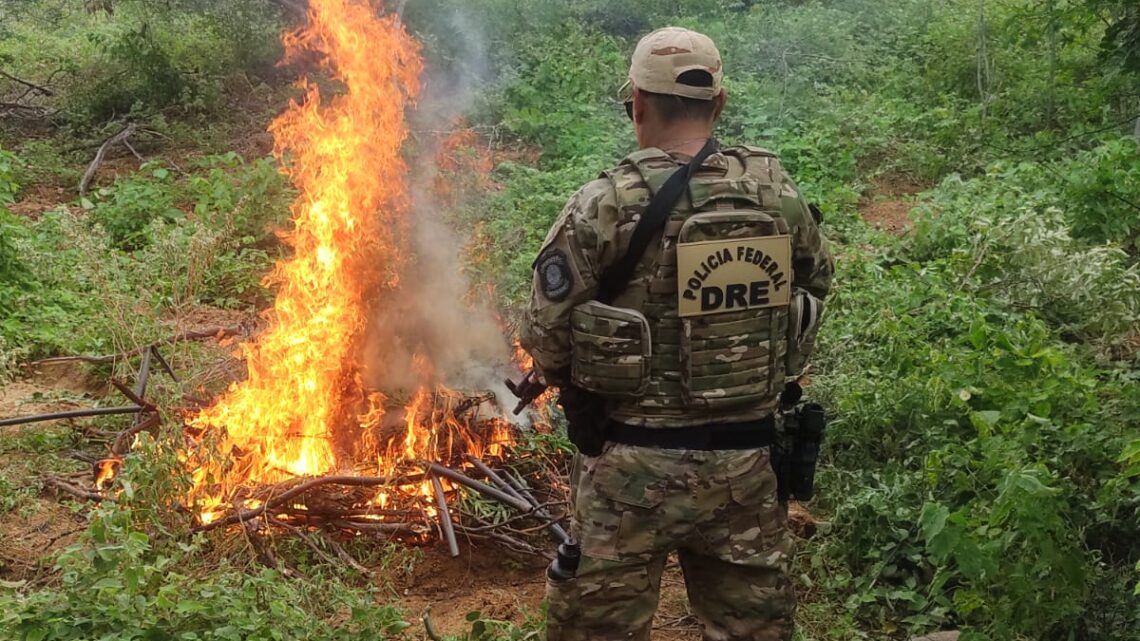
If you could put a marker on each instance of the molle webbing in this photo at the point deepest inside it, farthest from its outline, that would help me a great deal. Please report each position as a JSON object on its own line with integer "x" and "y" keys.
{"x": 713, "y": 365}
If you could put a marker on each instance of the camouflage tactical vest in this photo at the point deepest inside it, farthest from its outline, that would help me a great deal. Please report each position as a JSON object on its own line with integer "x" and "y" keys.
{"x": 708, "y": 344}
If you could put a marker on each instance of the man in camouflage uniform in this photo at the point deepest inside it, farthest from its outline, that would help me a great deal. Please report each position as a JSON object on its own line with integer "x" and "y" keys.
{"x": 678, "y": 375}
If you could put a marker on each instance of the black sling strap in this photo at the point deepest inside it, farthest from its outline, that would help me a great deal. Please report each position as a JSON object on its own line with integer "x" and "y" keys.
{"x": 616, "y": 276}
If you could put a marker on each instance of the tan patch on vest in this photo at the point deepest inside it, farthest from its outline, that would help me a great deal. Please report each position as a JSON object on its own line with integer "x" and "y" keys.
{"x": 733, "y": 275}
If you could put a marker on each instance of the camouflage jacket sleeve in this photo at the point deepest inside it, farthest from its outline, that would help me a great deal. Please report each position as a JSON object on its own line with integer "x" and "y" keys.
{"x": 812, "y": 264}
{"x": 577, "y": 249}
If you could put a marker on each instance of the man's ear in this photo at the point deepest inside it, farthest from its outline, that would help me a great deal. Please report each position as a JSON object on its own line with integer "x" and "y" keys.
{"x": 640, "y": 105}
{"x": 721, "y": 99}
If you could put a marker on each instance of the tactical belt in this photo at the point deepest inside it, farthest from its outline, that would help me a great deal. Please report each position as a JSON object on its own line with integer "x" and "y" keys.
{"x": 715, "y": 436}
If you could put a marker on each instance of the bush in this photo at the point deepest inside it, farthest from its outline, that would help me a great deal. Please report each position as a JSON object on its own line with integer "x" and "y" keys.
{"x": 146, "y": 57}
{"x": 118, "y": 584}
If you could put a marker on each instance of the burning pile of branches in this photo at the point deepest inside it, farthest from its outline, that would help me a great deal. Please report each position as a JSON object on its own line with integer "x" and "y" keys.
{"x": 308, "y": 439}
{"x": 313, "y": 438}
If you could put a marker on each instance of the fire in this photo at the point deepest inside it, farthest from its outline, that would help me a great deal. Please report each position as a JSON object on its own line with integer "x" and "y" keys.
{"x": 106, "y": 470}
{"x": 303, "y": 409}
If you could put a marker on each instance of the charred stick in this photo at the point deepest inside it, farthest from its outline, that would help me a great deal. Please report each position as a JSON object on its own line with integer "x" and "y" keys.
{"x": 482, "y": 488}
{"x": 429, "y": 629}
{"x": 472, "y": 401}
{"x": 508, "y": 541}
{"x": 144, "y": 373}
{"x": 370, "y": 514}
{"x": 520, "y": 486}
{"x": 162, "y": 363}
{"x": 301, "y": 534}
{"x": 520, "y": 493}
{"x": 77, "y": 492}
{"x": 122, "y": 442}
{"x": 445, "y": 524}
{"x": 493, "y": 476}
{"x": 94, "y": 411}
{"x": 131, "y": 395}
{"x": 380, "y": 528}
{"x": 245, "y": 515}
{"x": 503, "y": 524}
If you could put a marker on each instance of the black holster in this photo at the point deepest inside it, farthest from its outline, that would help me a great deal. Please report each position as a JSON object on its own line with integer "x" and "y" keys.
{"x": 585, "y": 418}
{"x": 794, "y": 459}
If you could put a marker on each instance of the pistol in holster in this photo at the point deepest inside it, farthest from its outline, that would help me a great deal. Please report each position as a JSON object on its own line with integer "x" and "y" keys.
{"x": 795, "y": 456}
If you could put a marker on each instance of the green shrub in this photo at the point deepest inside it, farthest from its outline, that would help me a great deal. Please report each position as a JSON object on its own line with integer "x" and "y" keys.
{"x": 118, "y": 584}
{"x": 128, "y": 209}
{"x": 1102, "y": 190}
{"x": 973, "y": 452}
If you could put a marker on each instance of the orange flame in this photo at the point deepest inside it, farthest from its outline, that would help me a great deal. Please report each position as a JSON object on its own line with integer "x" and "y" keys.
{"x": 344, "y": 157}
{"x": 105, "y": 471}
{"x": 303, "y": 410}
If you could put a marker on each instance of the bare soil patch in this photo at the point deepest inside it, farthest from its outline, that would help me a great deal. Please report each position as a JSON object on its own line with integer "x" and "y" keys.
{"x": 40, "y": 524}
{"x": 889, "y": 205}
{"x": 482, "y": 580}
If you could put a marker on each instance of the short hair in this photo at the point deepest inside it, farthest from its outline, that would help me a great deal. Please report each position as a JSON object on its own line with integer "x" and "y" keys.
{"x": 674, "y": 108}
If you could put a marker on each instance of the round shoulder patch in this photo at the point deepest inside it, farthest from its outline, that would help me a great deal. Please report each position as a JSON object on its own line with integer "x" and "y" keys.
{"x": 554, "y": 275}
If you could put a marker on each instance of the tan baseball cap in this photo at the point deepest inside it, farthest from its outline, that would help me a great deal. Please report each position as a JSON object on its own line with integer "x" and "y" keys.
{"x": 662, "y": 56}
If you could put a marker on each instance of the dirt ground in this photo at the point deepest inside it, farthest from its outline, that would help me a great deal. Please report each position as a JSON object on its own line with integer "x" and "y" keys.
{"x": 480, "y": 580}
{"x": 43, "y": 524}
{"x": 889, "y": 205}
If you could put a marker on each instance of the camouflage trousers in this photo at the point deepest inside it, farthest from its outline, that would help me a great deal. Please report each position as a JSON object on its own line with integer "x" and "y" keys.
{"x": 633, "y": 506}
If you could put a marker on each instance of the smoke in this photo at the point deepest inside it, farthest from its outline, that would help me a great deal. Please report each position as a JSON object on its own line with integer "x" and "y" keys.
{"x": 433, "y": 329}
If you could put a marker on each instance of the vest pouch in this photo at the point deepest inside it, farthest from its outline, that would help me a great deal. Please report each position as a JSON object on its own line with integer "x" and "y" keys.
{"x": 733, "y": 360}
{"x": 734, "y": 290}
{"x": 724, "y": 225}
{"x": 611, "y": 350}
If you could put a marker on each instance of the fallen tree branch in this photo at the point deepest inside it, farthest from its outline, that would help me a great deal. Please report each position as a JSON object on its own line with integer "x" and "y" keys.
{"x": 348, "y": 558}
{"x": 518, "y": 489}
{"x": 30, "y": 85}
{"x": 482, "y": 488}
{"x": 89, "y": 175}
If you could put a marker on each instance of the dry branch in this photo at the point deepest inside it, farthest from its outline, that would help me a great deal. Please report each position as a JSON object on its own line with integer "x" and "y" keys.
{"x": 495, "y": 493}
{"x": 131, "y": 395}
{"x": 445, "y": 524}
{"x": 31, "y": 86}
{"x": 73, "y": 490}
{"x": 122, "y": 443}
{"x": 219, "y": 332}
{"x": 89, "y": 175}
{"x": 518, "y": 490}
{"x": 284, "y": 497}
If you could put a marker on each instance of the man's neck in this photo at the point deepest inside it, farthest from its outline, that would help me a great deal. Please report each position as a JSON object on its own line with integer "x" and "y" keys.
{"x": 685, "y": 138}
